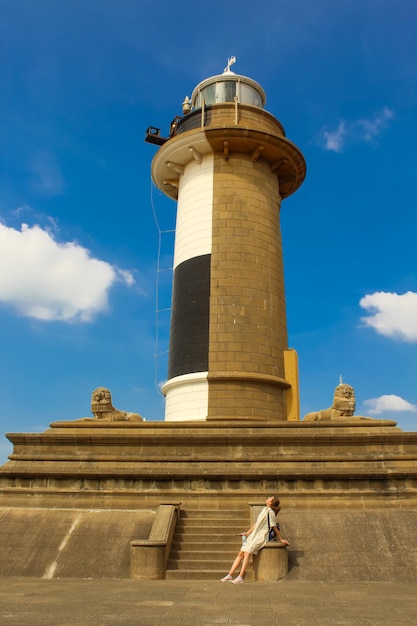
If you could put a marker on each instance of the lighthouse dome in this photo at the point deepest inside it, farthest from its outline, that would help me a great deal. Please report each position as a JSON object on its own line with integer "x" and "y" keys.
{"x": 226, "y": 87}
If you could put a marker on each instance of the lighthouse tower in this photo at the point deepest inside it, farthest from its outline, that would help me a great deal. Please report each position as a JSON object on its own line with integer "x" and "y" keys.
{"x": 228, "y": 164}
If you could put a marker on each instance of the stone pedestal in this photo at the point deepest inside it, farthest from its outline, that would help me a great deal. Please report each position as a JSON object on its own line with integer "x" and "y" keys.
{"x": 362, "y": 463}
{"x": 343, "y": 478}
{"x": 271, "y": 563}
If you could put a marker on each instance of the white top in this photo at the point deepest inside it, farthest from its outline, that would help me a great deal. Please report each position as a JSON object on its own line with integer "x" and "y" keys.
{"x": 259, "y": 536}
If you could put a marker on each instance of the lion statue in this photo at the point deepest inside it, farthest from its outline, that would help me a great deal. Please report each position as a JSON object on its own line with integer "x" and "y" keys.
{"x": 343, "y": 407}
{"x": 103, "y": 409}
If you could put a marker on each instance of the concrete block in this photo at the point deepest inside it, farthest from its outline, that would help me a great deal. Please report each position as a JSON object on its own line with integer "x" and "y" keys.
{"x": 271, "y": 563}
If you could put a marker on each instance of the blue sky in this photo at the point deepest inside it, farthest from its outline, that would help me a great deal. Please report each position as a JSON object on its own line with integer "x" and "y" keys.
{"x": 83, "y": 232}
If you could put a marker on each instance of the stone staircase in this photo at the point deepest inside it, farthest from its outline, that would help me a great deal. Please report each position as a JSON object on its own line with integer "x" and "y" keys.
{"x": 205, "y": 544}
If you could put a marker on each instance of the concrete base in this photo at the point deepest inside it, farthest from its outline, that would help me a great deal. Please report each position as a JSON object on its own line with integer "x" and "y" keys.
{"x": 348, "y": 493}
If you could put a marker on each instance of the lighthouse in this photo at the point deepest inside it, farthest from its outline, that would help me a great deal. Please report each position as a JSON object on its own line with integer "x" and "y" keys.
{"x": 228, "y": 165}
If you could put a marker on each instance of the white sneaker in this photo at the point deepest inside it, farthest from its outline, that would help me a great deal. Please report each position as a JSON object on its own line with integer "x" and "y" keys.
{"x": 237, "y": 580}
{"x": 226, "y": 579}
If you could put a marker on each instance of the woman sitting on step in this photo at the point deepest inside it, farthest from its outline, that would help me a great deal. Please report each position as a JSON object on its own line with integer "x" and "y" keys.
{"x": 258, "y": 536}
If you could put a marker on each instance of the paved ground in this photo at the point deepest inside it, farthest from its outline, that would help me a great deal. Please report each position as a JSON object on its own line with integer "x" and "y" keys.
{"x": 36, "y": 602}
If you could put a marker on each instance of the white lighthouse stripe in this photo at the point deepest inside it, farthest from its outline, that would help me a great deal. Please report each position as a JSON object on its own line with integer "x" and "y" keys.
{"x": 194, "y": 212}
{"x": 186, "y": 398}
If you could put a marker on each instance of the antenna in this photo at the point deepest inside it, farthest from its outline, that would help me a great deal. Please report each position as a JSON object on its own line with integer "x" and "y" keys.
{"x": 230, "y": 62}
{"x": 340, "y": 379}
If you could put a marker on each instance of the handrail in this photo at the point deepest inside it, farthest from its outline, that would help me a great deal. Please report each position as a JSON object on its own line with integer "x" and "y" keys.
{"x": 149, "y": 557}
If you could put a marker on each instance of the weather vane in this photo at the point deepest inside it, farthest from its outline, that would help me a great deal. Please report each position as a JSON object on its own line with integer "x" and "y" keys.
{"x": 230, "y": 62}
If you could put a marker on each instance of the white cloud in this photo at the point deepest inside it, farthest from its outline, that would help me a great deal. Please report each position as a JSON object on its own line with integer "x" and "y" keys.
{"x": 357, "y": 131}
{"x": 394, "y": 315}
{"x": 388, "y": 403}
{"x": 334, "y": 141}
{"x": 125, "y": 276}
{"x": 47, "y": 280}
{"x": 370, "y": 129}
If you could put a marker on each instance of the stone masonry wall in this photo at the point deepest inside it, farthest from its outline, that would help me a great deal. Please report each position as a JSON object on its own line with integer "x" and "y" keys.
{"x": 247, "y": 302}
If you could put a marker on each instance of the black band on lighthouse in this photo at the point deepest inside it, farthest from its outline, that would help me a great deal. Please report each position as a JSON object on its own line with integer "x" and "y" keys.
{"x": 189, "y": 339}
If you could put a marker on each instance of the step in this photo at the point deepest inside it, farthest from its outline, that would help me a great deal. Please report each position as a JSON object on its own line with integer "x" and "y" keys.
{"x": 207, "y": 538}
{"x": 191, "y": 564}
{"x": 208, "y": 531}
{"x": 177, "y": 553}
{"x": 212, "y": 528}
{"x": 202, "y": 575}
{"x": 205, "y": 531}
{"x": 212, "y": 513}
{"x": 217, "y": 542}
{"x": 208, "y": 522}
{"x": 202, "y": 543}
